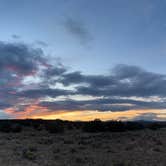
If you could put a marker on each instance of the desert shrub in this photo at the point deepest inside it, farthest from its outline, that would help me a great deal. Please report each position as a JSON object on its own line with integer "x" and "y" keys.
{"x": 121, "y": 164}
{"x": 29, "y": 153}
{"x": 45, "y": 141}
{"x": 16, "y": 128}
{"x": 68, "y": 142}
{"x": 5, "y": 126}
{"x": 55, "y": 127}
{"x": 78, "y": 125}
{"x": 154, "y": 126}
{"x": 56, "y": 150}
{"x": 73, "y": 150}
{"x": 9, "y": 126}
{"x": 79, "y": 160}
{"x": 26, "y": 122}
{"x": 134, "y": 126}
{"x": 99, "y": 126}
{"x": 32, "y": 149}
{"x": 37, "y": 124}
{"x": 70, "y": 127}
{"x": 157, "y": 149}
{"x": 111, "y": 126}
{"x": 115, "y": 126}
{"x": 94, "y": 126}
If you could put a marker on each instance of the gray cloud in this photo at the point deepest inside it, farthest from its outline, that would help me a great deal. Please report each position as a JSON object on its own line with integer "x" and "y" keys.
{"x": 19, "y": 58}
{"x": 41, "y": 43}
{"x": 105, "y": 104}
{"x": 40, "y": 93}
{"x": 123, "y": 81}
{"x": 14, "y": 36}
{"x": 17, "y": 61}
{"x": 147, "y": 117}
{"x": 78, "y": 30}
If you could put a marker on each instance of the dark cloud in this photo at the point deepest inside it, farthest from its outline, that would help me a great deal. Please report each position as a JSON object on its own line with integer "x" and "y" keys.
{"x": 17, "y": 61}
{"x": 76, "y": 105}
{"x": 78, "y": 30}
{"x": 92, "y": 80}
{"x": 55, "y": 71}
{"x": 40, "y": 93}
{"x": 123, "y": 81}
{"x": 105, "y": 104}
{"x": 72, "y": 78}
{"x": 4, "y": 105}
{"x": 19, "y": 58}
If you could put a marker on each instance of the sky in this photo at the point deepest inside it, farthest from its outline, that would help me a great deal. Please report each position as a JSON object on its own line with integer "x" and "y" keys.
{"x": 82, "y": 60}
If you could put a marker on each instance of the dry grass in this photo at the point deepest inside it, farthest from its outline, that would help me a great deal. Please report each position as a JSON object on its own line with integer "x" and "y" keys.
{"x": 77, "y": 148}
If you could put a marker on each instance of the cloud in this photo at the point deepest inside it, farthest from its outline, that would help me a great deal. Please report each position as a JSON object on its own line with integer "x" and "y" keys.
{"x": 40, "y": 93}
{"x": 72, "y": 78}
{"x": 78, "y": 30}
{"x": 147, "y": 117}
{"x": 123, "y": 81}
{"x": 104, "y": 104}
{"x": 41, "y": 43}
{"x": 30, "y": 78}
{"x": 19, "y": 58}
{"x": 17, "y": 61}
{"x": 14, "y": 36}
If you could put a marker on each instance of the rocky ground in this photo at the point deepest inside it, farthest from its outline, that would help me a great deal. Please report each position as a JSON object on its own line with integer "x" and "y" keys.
{"x": 77, "y": 148}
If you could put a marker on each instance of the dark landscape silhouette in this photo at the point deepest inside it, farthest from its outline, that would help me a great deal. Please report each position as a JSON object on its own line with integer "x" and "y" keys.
{"x": 99, "y": 143}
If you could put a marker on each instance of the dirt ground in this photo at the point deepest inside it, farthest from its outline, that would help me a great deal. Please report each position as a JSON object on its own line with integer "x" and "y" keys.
{"x": 77, "y": 148}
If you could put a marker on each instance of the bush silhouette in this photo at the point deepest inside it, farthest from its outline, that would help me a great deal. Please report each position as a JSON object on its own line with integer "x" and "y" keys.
{"x": 94, "y": 126}
{"x": 15, "y": 128}
{"x": 154, "y": 126}
{"x": 58, "y": 126}
{"x": 111, "y": 126}
{"x": 55, "y": 127}
{"x": 9, "y": 126}
{"x": 115, "y": 126}
{"x": 134, "y": 126}
{"x": 5, "y": 127}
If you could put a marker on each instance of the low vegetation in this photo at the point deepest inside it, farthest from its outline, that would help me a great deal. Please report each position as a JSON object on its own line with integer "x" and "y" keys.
{"x": 59, "y": 126}
{"x": 8, "y": 126}
{"x": 94, "y": 143}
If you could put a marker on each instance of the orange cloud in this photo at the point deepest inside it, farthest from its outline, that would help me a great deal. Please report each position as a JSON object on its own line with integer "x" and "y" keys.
{"x": 35, "y": 112}
{"x": 32, "y": 111}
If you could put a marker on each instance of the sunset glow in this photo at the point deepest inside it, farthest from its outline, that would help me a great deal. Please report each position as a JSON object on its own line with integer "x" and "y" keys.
{"x": 91, "y": 115}
{"x": 71, "y": 63}
{"x": 38, "y": 112}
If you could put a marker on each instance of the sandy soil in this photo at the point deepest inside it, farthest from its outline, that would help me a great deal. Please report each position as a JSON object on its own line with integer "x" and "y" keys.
{"x": 75, "y": 148}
